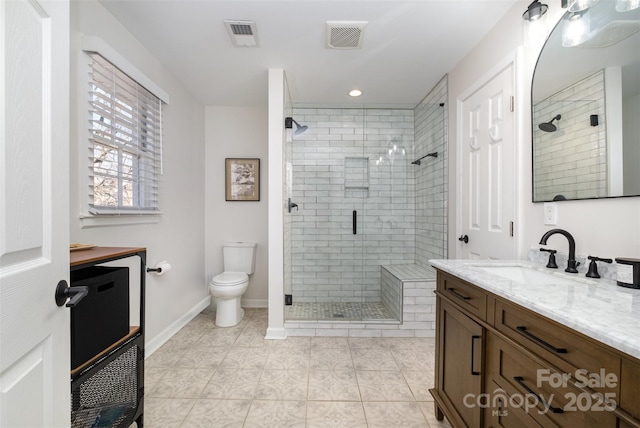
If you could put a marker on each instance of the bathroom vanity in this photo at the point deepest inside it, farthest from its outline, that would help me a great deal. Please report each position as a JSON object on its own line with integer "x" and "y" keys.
{"x": 519, "y": 346}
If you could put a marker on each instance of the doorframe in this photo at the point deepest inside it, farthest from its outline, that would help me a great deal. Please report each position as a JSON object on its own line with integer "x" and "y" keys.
{"x": 515, "y": 60}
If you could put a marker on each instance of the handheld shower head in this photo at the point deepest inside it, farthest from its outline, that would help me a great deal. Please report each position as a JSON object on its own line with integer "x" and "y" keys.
{"x": 549, "y": 126}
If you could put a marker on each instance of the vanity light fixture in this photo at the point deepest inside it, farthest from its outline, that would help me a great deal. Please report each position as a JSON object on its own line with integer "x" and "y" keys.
{"x": 535, "y": 11}
{"x": 627, "y": 5}
{"x": 580, "y": 5}
{"x": 355, "y": 93}
{"x": 576, "y": 29}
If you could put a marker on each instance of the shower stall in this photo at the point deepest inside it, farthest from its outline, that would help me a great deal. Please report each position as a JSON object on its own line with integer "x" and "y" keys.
{"x": 354, "y": 202}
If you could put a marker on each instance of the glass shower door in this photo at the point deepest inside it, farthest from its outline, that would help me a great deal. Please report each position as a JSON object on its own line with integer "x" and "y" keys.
{"x": 329, "y": 176}
{"x": 348, "y": 174}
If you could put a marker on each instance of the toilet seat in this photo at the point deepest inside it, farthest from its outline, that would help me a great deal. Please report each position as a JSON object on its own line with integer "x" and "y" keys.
{"x": 227, "y": 279}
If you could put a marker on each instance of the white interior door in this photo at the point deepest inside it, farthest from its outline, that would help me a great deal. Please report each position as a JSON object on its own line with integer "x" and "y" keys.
{"x": 34, "y": 196}
{"x": 487, "y": 170}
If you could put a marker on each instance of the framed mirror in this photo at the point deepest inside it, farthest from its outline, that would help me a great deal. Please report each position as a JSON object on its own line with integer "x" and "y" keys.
{"x": 586, "y": 105}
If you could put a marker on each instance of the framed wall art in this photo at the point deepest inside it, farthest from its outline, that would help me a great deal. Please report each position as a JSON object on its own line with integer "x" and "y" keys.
{"x": 242, "y": 179}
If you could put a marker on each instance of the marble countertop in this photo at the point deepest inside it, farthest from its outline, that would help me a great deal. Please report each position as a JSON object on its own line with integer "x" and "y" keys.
{"x": 598, "y": 308}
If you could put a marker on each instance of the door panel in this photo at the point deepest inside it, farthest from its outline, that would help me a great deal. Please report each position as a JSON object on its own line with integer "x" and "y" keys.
{"x": 34, "y": 195}
{"x": 487, "y": 170}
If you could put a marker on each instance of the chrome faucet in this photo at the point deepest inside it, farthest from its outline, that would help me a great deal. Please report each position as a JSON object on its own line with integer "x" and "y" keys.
{"x": 571, "y": 263}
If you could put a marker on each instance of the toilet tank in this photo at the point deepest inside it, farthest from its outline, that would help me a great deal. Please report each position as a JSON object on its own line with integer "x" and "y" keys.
{"x": 239, "y": 256}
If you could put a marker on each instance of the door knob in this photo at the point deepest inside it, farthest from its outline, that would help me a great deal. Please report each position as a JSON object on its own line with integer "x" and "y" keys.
{"x": 63, "y": 292}
{"x": 464, "y": 238}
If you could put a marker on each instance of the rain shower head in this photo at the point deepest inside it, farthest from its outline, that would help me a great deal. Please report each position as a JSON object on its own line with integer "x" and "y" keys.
{"x": 549, "y": 126}
{"x": 300, "y": 129}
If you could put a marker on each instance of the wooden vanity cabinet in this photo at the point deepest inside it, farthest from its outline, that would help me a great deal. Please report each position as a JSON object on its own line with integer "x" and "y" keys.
{"x": 492, "y": 353}
{"x": 459, "y": 356}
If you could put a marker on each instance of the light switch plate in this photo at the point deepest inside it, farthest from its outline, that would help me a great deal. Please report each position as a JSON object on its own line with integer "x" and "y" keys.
{"x": 550, "y": 213}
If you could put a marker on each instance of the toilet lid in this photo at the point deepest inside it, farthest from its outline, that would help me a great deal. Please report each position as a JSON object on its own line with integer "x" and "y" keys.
{"x": 230, "y": 278}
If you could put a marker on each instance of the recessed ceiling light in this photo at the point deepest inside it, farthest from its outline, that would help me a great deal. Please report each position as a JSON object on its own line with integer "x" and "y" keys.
{"x": 355, "y": 92}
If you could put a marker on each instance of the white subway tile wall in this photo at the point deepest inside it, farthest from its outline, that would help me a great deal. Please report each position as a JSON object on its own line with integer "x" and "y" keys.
{"x": 571, "y": 161}
{"x": 431, "y": 135}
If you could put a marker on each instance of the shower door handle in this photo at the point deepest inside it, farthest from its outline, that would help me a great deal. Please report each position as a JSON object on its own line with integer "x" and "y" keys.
{"x": 355, "y": 222}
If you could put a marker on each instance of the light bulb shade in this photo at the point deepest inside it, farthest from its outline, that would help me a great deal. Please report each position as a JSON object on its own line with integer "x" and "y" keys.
{"x": 627, "y": 5}
{"x": 535, "y": 11}
{"x": 580, "y": 5}
{"x": 576, "y": 29}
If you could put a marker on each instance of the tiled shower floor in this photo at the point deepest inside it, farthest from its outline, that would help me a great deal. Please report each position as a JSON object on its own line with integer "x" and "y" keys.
{"x": 338, "y": 311}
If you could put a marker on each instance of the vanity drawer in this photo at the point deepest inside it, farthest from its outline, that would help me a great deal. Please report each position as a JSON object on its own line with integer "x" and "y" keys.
{"x": 561, "y": 346}
{"x": 467, "y": 296}
{"x": 500, "y": 415}
{"x": 535, "y": 388}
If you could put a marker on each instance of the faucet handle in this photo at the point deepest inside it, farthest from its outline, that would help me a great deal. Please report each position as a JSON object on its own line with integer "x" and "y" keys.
{"x": 593, "y": 266}
{"x": 551, "y": 264}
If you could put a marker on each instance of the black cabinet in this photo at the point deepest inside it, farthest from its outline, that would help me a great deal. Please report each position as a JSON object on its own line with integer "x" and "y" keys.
{"x": 107, "y": 371}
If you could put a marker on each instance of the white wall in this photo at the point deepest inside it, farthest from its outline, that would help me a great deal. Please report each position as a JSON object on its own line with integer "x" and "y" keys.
{"x": 605, "y": 227}
{"x": 631, "y": 155}
{"x": 177, "y": 237}
{"x": 236, "y": 132}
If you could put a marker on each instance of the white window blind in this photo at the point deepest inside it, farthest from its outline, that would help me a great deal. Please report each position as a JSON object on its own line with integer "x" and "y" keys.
{"x": 125, "y": 143}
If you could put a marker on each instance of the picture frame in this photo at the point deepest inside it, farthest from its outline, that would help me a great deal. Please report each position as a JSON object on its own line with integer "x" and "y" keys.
{"x": 242, "y": 179}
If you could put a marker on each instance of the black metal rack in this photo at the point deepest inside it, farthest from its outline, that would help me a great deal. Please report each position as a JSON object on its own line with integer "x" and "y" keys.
{"x": 108, "y": 389}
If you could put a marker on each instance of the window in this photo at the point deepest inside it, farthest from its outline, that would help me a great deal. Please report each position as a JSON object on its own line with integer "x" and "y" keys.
{"x": 125, "y": 142}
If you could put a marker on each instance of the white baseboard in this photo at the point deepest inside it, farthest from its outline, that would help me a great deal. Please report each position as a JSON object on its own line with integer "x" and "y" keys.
{"x": 275, "y": 333}
{"x": 154, "y": 344}
{"x": 254, "y": 303}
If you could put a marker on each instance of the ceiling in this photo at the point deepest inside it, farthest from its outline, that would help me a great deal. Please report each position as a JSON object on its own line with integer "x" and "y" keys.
{"x": 408, "y": 46}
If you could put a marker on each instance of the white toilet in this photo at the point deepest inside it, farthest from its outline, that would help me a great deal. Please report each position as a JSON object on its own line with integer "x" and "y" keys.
{"x": 229, "y": 286}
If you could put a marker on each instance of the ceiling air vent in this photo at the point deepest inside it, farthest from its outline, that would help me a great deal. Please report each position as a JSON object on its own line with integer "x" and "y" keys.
{"x": 243, "y": 33}
{"x": 345, "y": 34}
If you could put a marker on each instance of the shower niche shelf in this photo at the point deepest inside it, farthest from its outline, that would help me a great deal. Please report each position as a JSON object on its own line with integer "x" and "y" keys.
{"x": 356, "y": 176}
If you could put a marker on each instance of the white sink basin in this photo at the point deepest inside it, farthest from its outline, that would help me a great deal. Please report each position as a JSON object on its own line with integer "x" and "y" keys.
{"x": 527, "y": 275}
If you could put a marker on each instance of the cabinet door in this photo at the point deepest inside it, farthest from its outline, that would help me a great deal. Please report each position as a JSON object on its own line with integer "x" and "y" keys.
{"x": 630, "y": 389}
{"x": 460, "y": 364}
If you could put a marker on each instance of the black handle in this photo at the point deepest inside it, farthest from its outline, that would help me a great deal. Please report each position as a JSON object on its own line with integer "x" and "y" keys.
{"x": 547, "y": 345}
{"x": 551, "y": 264}
{"x": 464, "y": 238}
{"x": 355, "y": 222}
{"x": 598, "y": 259}
{"x": 473, "y": 341}
{"x": 593, "y": 266}
{"x": 76, "y": 293}
{"x": 461, "y": 296}
{"x": 520, "y": 379}
{"x": 292, "y": 205}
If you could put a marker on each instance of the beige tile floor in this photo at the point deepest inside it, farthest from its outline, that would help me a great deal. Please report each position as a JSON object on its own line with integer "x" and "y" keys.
{"x": 206, "y": 376}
